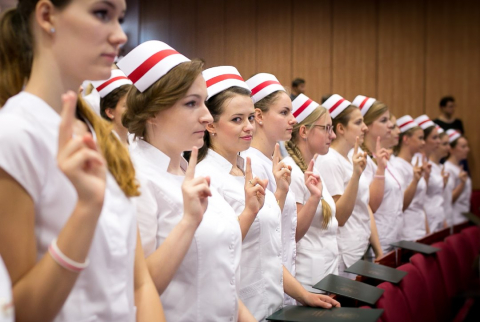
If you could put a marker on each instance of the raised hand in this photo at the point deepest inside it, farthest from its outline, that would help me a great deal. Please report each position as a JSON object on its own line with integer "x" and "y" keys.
{"x": 254, "y": 190}
{"x": 426, "y": 166}
{"x": 381, "y": 154}
{"x": 313, "y": 181}
{"x": 445, "y": 176}
{"x": 195, "y": 192}
{"x": 359, "y": 160}
{"x": 417, "y": 171}
{"x": 78, "y": 158}
{"x": 463, "y": 174}
{"x": 281, "y": 172}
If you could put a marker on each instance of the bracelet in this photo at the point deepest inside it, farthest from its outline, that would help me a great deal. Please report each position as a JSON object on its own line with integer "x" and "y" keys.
{"x": 377, "y": 176}
{"x": 64, "y": 261}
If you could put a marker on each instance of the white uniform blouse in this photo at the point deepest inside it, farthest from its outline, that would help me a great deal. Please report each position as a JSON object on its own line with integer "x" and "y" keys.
{"x": 388, "y": 216}
{"x": 204, "y": 286}
{"x": 435, "y": 199}
{"x": 317, "y": 251}
{"x": 29, "y": 143}
{"x": 7, "y": 312}
{"x": 462, "y": 204}
{"x": 353, "y": 237}
{"x": 414, "y": 216}
{"x": 261, "y": 281}
{"x": 262, "y": 167}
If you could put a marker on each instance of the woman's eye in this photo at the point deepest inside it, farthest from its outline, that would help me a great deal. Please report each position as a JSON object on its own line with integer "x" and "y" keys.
{"x": 190, "y": 104}
{"x": 237, "y": 119}
{"x": 251, "y": 118}
{"x": 101, "y": 14}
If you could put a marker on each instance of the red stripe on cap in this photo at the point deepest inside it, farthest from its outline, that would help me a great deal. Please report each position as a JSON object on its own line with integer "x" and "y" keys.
{"x": 99, "y": 88}
{"x": 452, "y": 134}
{"x": 406, "y": 123}
{"x": 333, "y": 108}
{"x": 363, "y": 102}
{"x": 302, "y": 108}
{"x": 219, "y": 78}
{"x": 149, "y": 63}
{"x": 423, "y": 122}
{"x": 261, "y": 86}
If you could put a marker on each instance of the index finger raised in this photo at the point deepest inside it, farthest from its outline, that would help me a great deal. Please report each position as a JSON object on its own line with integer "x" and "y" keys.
{"x": 248, "y": 170}
{"x": 190, "y": 173}
{"x": 355, "y": 149}
{"x": 69, "y": 101}
{"x": 276, "y": 154}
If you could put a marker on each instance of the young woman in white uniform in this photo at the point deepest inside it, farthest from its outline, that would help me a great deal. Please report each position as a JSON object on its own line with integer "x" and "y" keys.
{"x": 68, "y": 233}
{"x": 343, "y": 177}
{"x": 385, "y": 193}
{"x": 462, "y": 184}
{"x": 262, "y": 269}
{"x": 433, "y": 203}
{"x": 274, "y": 122}
{"x": 7, "y": 313}
{"x": 439, "y": 170}
{"x": 194, "y": 253}
{"x": 113, "y": 97}
{"x": 317, "y": 251}
{"x": 411, "y": 178}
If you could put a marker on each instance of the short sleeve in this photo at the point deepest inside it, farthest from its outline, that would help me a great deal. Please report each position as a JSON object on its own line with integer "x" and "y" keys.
{"x": 147, "y": 220}
{"x": 332, "y": 173}
{"x": 23, "y": 155}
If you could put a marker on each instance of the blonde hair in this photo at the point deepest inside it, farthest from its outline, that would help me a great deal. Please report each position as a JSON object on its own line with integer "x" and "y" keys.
{"x": 409, "y": 133}
{"x": 373, "y": 113}
{"x": 297, "y": 156}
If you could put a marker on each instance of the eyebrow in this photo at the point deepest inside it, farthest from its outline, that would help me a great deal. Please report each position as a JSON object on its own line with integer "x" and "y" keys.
{"x": 196, "y": 95}
{"x": 112, "y": 5}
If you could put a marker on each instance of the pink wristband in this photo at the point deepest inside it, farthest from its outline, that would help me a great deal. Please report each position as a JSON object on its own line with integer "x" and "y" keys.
{"x": 64, "y": 261}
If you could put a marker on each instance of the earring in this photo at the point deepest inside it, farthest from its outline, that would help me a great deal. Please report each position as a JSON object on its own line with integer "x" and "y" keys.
{"x": 213, "y": 134}
{"x": 52, "y": 30}
{"x": 260, "y": 122}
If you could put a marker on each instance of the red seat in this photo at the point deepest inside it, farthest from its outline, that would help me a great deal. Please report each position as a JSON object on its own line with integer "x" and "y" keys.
{"x": 473, "y": 235}
{"x": 394, "y": 304}
{"x": 449, "y": 267}
{"x": 413, "y": 287}
{"x": 465, "y": 255}
{"x": 430, "y": 271}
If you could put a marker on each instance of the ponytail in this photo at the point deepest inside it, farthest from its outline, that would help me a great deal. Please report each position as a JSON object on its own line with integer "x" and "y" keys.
{"x": 114, "y": 151}
{"x": 16, "y": 54}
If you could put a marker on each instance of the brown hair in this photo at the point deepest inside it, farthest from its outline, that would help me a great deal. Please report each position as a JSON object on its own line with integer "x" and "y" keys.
{"x": 296, "y": 154}
{"x": 163, "y": 94}
{"x": 264, "y": 104}
{"x": 373, "y": 113}
{"x": 16, "y": 57}
{"x": 408, "y": 133}
{"x": 343, "y": 118}
{"x": 111, "y": 100}
{"x": 215, "y": 107}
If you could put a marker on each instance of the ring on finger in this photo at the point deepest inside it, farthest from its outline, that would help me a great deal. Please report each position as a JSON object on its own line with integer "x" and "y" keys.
{"x": 250, "y": 181}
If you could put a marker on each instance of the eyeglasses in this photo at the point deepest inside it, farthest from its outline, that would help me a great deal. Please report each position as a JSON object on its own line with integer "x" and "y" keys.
{"x": 328, "y": 128}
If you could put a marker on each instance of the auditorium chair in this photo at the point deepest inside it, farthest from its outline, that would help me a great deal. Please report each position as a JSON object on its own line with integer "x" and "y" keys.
{"x": 473, "y": 235}
{"x": 394, "y": 304}
{"x": 435, "y": 287}
{"x": 414, "y": 287}
{"x": 465, "y": 255}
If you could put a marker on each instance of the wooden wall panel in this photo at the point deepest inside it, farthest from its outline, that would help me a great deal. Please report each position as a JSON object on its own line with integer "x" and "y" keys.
{"x": 354, "y": 48}
{"x": 312, "y": 39}
{"x": 274, "y": 39}
{"x": 210, "y": 37}
{"x": 453, "y": 62}
{"x": 155, "y": 17}
{"x": 240, "y": 36}
{"x": 183, "y": 15}
{"x": 401, "y": 56}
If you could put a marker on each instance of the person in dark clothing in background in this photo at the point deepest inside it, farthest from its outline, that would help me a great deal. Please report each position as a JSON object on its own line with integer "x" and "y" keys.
{"x": 298, "y": 87}
{"x": 446, "y": 120}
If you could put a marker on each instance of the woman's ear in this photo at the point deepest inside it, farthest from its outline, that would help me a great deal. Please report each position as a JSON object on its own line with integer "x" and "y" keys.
{"x": 258, "y": 116}
{"x": 302, "y": 132}
{"x": 45, "y": 16}
{"x": 340, "y": 129}
{"x": 109, "y": 113}
{"x": 211, "y": 128}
